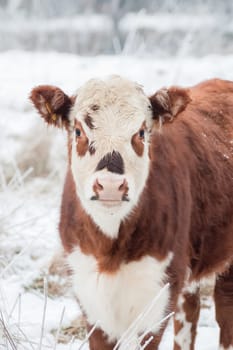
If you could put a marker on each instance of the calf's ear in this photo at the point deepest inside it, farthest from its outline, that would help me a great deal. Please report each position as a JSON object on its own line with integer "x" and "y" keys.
{"x": 168, "y": 103}
{"x": 52, "y": 104}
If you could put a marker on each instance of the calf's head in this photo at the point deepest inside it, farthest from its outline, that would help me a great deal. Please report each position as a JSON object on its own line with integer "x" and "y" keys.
{"x": 109, "y": 124}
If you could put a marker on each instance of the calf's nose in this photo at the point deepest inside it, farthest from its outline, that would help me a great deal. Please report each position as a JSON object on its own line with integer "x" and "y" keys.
{"x": 110, "y": 187}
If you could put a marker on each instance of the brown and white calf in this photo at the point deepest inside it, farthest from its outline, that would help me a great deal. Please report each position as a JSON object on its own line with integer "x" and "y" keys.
{"x": 148, "y": 199}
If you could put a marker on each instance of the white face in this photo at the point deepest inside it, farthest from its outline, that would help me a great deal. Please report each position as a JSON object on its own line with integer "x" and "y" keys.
{"x": 110, "y": 152}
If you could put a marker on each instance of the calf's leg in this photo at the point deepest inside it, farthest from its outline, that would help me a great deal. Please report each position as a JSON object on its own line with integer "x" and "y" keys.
{"x": 98, "y": 340}
{"x": 154, "y": 343}
{"x": 223, "y": 296}
{"x": 186, "y": 318}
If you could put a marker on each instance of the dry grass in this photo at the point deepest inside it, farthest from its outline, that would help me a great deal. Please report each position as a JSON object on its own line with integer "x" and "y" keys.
{"x": 43, "y": 148}
{"x": 76, "y": 330}
{"x": 58, "y": 278}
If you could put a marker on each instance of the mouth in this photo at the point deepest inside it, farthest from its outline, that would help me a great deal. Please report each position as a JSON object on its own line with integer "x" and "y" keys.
{"x": 110, "y": 202}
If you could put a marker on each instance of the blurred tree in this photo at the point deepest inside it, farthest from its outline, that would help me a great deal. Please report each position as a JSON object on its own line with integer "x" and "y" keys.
{"x": 61, "y": 8}
{"x": 209, "y": 20}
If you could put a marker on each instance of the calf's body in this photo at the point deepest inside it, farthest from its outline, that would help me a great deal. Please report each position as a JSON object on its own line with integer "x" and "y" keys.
{"x": 179, "y": 228}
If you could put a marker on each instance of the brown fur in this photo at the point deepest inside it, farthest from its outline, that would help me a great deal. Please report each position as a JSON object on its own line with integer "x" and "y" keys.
{"x": 53, "y": 104}
{"x": 99, "y": 341}
{"x": 168, "y": 103}
{"x": 186, "y": 205}
{"x": 224, "y": 307}
{"x": 89, "y": 121}
{"x": 91, "y": 148}
{"x": 137, "y": 144}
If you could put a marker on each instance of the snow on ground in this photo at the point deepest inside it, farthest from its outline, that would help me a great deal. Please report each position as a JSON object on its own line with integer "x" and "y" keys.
{"x": 32, "y": 168}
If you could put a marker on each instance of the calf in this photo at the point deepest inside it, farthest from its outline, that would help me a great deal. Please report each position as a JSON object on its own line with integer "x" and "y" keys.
{"x": 148, "y": 199}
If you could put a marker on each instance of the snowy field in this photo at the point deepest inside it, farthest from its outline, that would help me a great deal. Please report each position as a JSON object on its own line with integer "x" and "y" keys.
{"x": 36, "y": 305}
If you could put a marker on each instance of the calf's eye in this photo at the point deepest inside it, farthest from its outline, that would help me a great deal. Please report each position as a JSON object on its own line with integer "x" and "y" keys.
{"x": 141, "y": 133}
{"x": 77, "y": 132}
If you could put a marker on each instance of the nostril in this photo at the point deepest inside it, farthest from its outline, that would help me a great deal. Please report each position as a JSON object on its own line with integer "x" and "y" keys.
{"x": 123, "y": 186}
{"x": 98, "y": 186}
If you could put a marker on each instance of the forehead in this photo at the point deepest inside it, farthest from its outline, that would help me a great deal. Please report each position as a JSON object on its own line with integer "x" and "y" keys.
{"x": 115, "y": 102}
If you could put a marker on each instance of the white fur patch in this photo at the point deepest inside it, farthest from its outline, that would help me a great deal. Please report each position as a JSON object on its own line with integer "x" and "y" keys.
{"x": 229, "y": 348}
{"x": 183, "y": 338}
{"x": 115, "y": 300}
{"x": 191, "y": 288}
{"x": 122, "y": 110}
